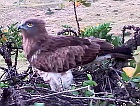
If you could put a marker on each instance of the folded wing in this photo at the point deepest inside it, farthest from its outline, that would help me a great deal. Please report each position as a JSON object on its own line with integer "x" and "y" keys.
{"x": 58, "y": 54}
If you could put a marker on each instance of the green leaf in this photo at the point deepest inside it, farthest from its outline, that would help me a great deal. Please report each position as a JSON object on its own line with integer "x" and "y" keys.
{"x": 88, "y": 93}
{"x": 87, "y": 4}
{"x": 137, "y": 72}
{"x": 89, "y": 76}
{"x": 89, "y": 82}
{"x": 125, "y": 77}
{"x": 12, "y": 35}
{"x": 137, "y": 80}
{"x": 110, "y": 96}
{"x": 137, "y": 59}
{"x": 99, "y": 31}
{"x": 39, "y": 104}
{"x": 66, "y": 26}
{"x": 75, "y": 92}
{"x": 116, "y": 40}
{"x": 137, "y": 54}
{"x": 132, "y": 63}
{"x": 3, "y": 84}
{"x": 42, "y": 85}
{"x": 112, "y": 105}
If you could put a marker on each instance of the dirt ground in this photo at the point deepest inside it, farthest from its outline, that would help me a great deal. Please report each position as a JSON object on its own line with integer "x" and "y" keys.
{"x": 119, "y": 13}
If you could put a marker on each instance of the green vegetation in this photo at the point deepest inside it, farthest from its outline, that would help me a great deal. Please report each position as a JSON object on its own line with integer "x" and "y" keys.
{"x": 101, "y": 31}
{"x": 11, "y": 34}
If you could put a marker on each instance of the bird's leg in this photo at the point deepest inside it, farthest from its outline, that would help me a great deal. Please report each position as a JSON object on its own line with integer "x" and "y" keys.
{"x": 61, "y": 81}
{"x": 55, "y": 81}
{"x": 67, "y": 79}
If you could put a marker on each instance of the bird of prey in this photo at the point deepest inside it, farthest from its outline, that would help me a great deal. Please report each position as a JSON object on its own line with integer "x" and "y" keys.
{"x": 55, "y": 56}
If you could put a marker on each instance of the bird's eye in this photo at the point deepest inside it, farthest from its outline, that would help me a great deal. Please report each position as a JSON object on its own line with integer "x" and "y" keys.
{"x": 29, "y": 24}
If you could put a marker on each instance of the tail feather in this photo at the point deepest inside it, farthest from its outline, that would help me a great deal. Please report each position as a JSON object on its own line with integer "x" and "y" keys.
{"x": 122, "y": 52}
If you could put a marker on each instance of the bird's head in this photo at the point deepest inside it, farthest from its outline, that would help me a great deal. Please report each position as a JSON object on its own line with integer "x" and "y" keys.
{"x": 32, "y": 27}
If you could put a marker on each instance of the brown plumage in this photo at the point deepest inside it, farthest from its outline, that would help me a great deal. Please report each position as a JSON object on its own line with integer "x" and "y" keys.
{"x": 58, "y": 54}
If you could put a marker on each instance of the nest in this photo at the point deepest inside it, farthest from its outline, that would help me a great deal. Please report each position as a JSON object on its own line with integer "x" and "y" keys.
{"x": 25, "y": 91}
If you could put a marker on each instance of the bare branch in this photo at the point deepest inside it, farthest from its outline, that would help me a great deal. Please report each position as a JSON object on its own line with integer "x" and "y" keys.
{"x": 58, "y": 93}
{"x": 105, "y": 99}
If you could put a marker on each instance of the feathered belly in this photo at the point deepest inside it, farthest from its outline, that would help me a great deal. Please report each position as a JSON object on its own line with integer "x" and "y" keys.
{"x": 57, "y": 81}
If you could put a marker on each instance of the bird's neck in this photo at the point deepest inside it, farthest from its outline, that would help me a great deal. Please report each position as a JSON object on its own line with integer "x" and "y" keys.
{"x": 29, "y": 46}
{"x": 33, "y": 43}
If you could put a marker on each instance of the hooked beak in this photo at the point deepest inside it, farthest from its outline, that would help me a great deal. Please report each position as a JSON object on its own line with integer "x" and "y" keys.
{"x": 20, "y": 27}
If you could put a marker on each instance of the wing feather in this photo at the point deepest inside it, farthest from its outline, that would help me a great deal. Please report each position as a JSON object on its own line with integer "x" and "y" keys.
{"x": 58, "y": 54}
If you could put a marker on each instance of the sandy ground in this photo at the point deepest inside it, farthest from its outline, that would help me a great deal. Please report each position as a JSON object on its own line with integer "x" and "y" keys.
{"x": 119, "y": 13}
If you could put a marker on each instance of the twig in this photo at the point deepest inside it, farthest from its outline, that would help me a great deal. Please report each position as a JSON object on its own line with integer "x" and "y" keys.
{"x": 110, "y": 88}
{"x": 87, "y": 87}
{"x": 67, "y": 30}
{"x": 3, "y": 68}
{"x": 122, "y": 83}
{"x": 98, "y": 98}
{"x": 58, "y": 93}
{"x": 16, "y": 56}
{"x": 2, "y": 75}
{"x": 76, "y": 19}
{"x": 133, "y": 42}
{"x": 109, "y": 84}
{"x": 73, "y": 97}
{"x": 106, "y": 93}
{"x": 123, "y": 31}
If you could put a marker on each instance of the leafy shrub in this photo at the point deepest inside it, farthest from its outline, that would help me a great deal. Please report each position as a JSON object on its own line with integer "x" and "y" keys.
{"x": 11, "y": 34}
{"x": 101, "y": 31}
{"x": 89, "y": 82}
